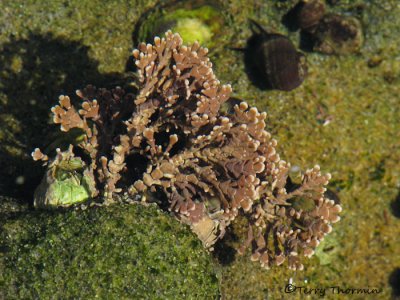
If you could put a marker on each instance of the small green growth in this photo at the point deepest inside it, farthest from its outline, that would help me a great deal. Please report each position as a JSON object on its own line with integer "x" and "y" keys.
{"x": 200, "y": 24}
{"x": 327, "y": 250}
{"x": 192, "y": 30}
{"x": 16, "y": 64}
{"x": 116, "y": 252}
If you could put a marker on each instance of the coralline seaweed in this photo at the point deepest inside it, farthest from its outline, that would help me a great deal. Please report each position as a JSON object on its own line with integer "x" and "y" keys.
{"x": 99, "y": 119}
{"x": 173, "y": 140}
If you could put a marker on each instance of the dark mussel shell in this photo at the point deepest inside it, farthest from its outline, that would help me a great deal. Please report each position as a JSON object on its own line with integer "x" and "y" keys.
{"x": 273, "y": 62}
{"x": 305, "y": 15}
{"x": 310, "y": 13}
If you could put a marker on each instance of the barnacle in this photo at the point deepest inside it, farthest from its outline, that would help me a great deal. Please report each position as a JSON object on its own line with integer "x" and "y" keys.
{"x": 172, "y": 140}
{"x": 66, "y": 182}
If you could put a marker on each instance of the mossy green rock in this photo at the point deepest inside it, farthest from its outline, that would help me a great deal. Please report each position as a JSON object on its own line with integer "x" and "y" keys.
{"x": 118, "y": 252}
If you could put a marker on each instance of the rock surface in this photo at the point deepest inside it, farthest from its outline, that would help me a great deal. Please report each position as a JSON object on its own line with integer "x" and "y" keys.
{"x": 116, "y": 252}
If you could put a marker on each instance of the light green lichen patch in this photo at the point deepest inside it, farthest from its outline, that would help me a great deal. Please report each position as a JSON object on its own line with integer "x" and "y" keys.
{"x": 192, "y": 30}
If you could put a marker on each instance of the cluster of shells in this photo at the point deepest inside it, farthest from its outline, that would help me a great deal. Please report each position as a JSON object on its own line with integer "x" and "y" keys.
{"x": 172, "y": 142}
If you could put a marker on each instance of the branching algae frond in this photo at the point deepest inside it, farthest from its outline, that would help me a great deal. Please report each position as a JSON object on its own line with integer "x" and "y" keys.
{"x": 173, "y": 141}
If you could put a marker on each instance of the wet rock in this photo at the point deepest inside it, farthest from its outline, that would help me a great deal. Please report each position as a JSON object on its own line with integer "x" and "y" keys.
{"x": 117, "y": 252}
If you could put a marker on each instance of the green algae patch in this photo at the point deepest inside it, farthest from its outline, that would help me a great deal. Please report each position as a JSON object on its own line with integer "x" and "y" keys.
{"x": 203, "y": 23}
{"x": 193, "y": 30}
{"x": 116, "y": 252}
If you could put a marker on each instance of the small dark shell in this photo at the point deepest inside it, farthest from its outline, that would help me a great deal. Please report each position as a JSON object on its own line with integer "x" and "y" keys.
{"x": 310, "y": 13}
{"x": 273, "y": 62}
{"x": 304, "y": 15}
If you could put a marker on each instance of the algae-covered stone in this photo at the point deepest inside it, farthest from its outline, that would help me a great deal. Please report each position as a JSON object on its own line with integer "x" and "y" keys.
{"x": 9, "y": 206}
{"x": 116, "y": 252}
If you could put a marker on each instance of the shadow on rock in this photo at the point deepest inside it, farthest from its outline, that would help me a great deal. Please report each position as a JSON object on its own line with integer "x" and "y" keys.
{"x": 394, "y": 281}
{"x": 223, "y": 251}
{"x": 395, "y": 206}
{"x": 252, "y": 68}
{"x": 34, "y": 71}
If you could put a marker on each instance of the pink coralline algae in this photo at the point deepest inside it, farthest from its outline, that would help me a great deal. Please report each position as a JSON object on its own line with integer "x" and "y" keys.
{"x": 172, "y": 142}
